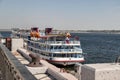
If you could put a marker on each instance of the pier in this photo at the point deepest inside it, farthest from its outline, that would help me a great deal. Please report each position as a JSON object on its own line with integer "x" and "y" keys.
{"x": 15, "y": 66}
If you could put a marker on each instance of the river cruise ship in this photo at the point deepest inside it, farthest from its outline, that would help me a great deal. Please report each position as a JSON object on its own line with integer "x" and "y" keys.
{"x": 56, "y": 47}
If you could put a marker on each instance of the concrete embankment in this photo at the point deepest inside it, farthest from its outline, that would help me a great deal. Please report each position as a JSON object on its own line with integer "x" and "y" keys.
{"x": 51, "y": 69}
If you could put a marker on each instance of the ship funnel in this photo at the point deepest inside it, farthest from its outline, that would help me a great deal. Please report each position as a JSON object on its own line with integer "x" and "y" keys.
{"x": 48, "y": 30}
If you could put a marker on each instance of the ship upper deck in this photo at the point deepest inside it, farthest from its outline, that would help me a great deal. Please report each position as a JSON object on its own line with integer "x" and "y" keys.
{"x": 74, "y": 42}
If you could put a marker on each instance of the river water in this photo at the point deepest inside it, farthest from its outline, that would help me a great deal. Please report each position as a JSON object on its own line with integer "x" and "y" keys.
{"x": 100, "y": 48}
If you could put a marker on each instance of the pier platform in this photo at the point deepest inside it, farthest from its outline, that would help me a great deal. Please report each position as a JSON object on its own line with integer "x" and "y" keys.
{"x": 54, "y": 71}
{"x": 38, "y": 72}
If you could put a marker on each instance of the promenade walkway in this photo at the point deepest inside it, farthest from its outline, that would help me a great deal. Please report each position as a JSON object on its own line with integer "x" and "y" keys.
{"x": 66, "y": 75}
{"x": 36, "y": 71}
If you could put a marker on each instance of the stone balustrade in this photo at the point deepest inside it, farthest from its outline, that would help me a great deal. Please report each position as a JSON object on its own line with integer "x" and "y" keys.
{"x": 11, "y": 68}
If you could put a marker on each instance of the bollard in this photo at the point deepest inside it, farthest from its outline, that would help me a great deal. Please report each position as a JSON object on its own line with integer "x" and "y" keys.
{"x": 35, "y": 60}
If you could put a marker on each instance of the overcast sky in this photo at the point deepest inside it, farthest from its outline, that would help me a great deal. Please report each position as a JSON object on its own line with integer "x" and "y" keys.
{"x": 61, "y": 14}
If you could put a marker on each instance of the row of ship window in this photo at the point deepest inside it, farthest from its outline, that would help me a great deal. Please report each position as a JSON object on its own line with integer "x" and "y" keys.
{"x": 57, "y": 54}
{"x": 54, "y": 47}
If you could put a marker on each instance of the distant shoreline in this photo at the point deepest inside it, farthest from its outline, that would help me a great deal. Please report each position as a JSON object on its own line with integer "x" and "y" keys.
{"x": 94, "y": 31}
{"x": 74, "y": 31}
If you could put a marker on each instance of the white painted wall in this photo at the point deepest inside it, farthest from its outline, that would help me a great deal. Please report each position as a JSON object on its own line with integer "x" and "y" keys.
{"x": 17, "y": 43}
{"x": 103, "y": 71}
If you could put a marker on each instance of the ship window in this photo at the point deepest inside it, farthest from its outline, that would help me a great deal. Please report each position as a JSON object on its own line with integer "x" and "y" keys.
{"x": 46, "y": 54}
{"x": 58, "y": 55}
{"x": 79, "y": 55}
{"x": 50, "y": 54}
{"x": 42, "y": 46}
{"x": 51, "y": 47}
{"x": 55, "y": 47}
{"x": 63, "y": 55}
{"x": 71, "y": 47}
{"x": 59, "y": 47}
{"x": 32, "y": 44}
{"x": 43, "y": 54}
{"x": 54, "y": 55}
{"x": 66, "y": 47}
{"x": 74, "y": 55}
{"x": 71, "y": 55}
{"x": 31, "y": 49}
{"x": 76, "y": 46}
{"x": 37, "y": 51}
{"x": 39, "y": 46}
{"x": 68, "y": 55}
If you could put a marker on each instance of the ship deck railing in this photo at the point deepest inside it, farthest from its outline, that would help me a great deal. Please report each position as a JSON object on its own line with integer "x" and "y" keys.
{"x": 62, "y": 42}
{"x": 65, "y": 50}
{"x": 55, "y": 42}
{"x": 58, "y": 50}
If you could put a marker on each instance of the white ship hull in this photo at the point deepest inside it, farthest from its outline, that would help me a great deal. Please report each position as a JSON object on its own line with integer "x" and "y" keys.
{"x": 66, "y": 62}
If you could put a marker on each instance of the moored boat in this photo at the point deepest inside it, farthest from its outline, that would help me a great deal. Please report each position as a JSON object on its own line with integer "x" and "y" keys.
{"x": 55, "y": 47}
